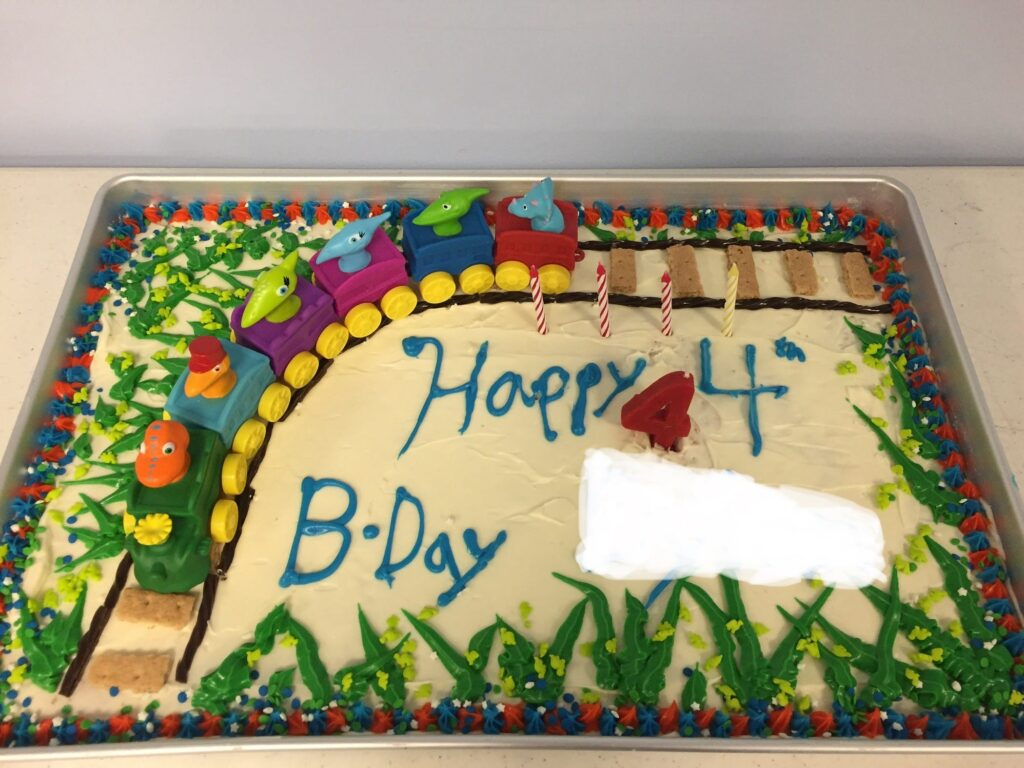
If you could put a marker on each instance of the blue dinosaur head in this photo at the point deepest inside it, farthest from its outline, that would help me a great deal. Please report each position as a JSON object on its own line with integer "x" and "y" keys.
{"x": 349, "y": 245}
{"x": 538, "y": 205}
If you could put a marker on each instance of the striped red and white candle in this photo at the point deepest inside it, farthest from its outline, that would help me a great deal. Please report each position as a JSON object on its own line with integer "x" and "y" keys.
{"x": 602, "y": 301}
{"x": 666, "y": 304}
{"x": 538, "y": 301}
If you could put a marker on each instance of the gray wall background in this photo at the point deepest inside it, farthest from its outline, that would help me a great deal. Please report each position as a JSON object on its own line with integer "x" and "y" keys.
{"x": 444, "y": 83}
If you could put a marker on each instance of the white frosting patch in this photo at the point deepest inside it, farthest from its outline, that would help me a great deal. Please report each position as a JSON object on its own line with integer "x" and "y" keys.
{"x": 642, "y": 517}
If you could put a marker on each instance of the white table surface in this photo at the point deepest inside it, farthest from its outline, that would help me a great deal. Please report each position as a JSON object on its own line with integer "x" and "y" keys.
{"x": 973, "y": 217}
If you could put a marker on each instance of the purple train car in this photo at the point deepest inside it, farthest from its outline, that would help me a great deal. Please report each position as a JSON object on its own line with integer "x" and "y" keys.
{"x": 383, "y": 280}
{"x": 288, "y": 343}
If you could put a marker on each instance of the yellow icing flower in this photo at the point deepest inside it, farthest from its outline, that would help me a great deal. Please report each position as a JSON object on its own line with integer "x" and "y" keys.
{"x": 153, "y": 529}
{"x": 90, "y": 571}
{"x": 539, "y": 667}
{"x": 664, "y": 632}
{"x": 557, "y": 664}
{"x": 288, "y": 641}
{"x": 428, "y": 613}
{"x": 424, "y": 691}
{"x": 251, "y": 657}
{"x": 18, "y": 674}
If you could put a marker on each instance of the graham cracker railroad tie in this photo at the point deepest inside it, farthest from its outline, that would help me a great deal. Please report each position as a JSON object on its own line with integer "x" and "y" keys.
{"x": 743, "y": 258}
{"x": 140, "y": 606}
{"x": 803, "y": 279}
{"x": 856, "y": 276}
{"x": 623, "y": 271}
{"x": 682, "y": 268}
{"x": 140, "y": 672}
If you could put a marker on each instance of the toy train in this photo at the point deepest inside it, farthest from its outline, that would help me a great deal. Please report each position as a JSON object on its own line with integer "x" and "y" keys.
{"x": 194, "y": 462}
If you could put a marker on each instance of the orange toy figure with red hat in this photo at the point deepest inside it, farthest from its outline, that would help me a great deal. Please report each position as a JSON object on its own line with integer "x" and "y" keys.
{"x": 163, "y": 456}
{"x": 209, "y": 369}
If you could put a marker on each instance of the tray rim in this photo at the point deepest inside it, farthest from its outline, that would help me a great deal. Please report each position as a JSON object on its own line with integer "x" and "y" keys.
{"x": 83, "y": 260}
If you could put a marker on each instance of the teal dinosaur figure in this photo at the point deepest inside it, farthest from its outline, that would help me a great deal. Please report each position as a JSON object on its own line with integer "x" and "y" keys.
{"x": 444, "y": 213}
{"x": 349, "y": 245}
{"x": 273, "y": 296}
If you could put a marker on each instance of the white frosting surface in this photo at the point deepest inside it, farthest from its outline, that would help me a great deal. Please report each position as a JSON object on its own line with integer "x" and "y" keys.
{"x": 643, "y": 517}
{"x": 502, "y": 475}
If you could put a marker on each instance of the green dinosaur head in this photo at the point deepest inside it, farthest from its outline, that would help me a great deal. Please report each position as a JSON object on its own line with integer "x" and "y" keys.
{"x": 444, "y": 213}
{"x": 271, "y": 296}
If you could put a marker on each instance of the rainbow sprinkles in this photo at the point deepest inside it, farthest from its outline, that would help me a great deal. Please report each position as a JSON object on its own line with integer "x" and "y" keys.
{"x": 418, "y": 323}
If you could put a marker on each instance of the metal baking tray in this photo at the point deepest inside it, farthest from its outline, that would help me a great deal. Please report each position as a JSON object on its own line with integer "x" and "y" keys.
{"x": 877, "y": 195}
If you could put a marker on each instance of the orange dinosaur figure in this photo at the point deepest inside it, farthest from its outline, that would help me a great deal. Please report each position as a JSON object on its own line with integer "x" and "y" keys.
{"x": 163, "y": 456}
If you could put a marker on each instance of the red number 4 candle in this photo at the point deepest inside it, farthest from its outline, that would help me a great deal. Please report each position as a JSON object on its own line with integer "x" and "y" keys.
{"x": 661, "y": 410}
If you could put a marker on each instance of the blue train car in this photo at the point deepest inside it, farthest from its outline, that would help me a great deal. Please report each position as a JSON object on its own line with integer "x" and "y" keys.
{"x": 434, "y": 259}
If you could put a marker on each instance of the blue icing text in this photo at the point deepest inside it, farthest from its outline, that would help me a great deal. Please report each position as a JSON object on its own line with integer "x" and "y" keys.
{"x": 549, "y": 387}
{"x": 789, "y": 350}
{"x": 439, "y": 556}
{"x": 387, "y": 568}
{"x": 544, "y": 396}
{"x": 588, "y": 376}
{"x": 306, "y": 527}
{"x": 707, "y": 387}
{"x": 413, "y": 345}
{"x": 515, "y": 384}
{"x": 622, "y": 383}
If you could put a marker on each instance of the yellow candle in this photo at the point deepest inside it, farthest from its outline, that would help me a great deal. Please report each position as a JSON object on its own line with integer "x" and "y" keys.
{"x": 731, "y": 288}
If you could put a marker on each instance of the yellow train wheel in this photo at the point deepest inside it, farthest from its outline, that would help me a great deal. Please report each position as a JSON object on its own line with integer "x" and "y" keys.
{"x": 554, "y": 279}
{"x": 153, "y": 529}
{"x": 274, "y": 402}
{"x": 332, "y": 340}
{"x": 128, "y": 523}
{"x": 301, "y": 370}
{"x": 512, "y": 276}
{"x": 234, "y": 473}
{"x": 224, "y": 521}
{"x": 437, "y": 287}
{"x": 399, "y": 302}
{"x": 249, "y": 438}
{"x": 362, "y": 320}
{"x": 476, "y": 279}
